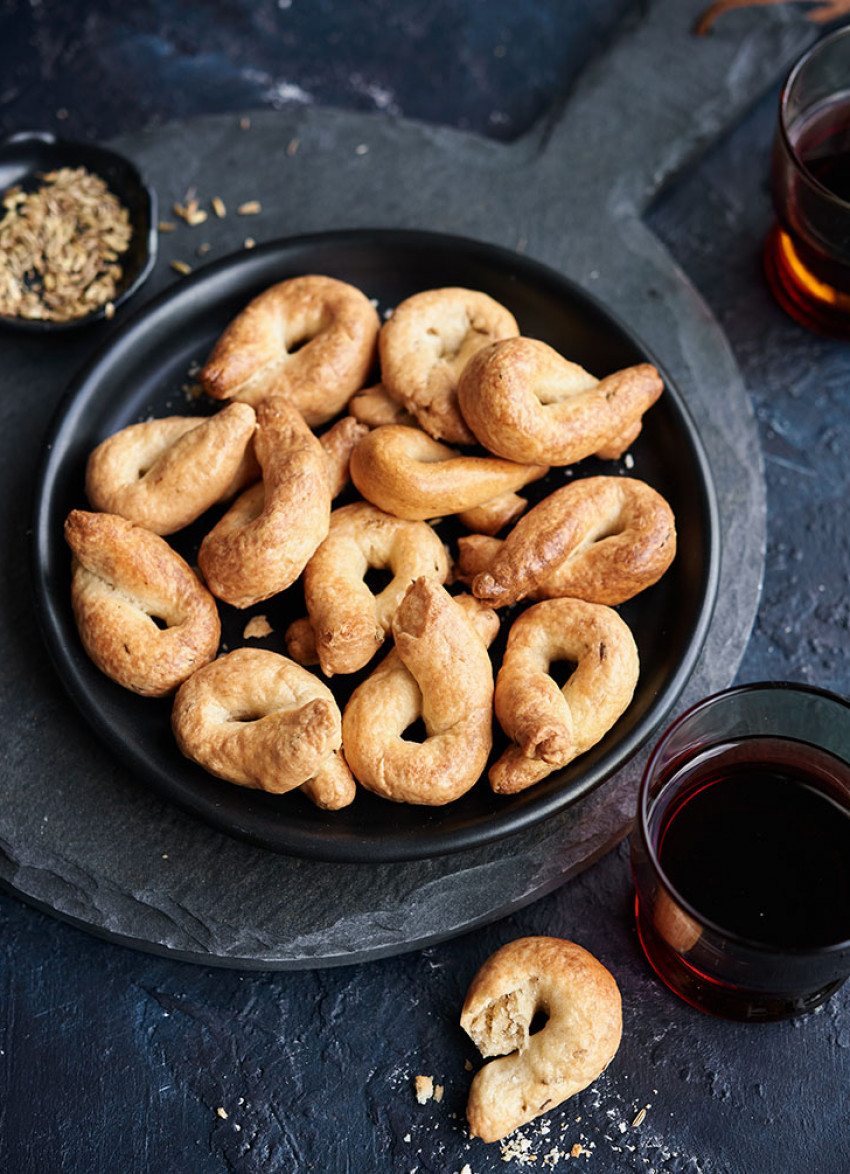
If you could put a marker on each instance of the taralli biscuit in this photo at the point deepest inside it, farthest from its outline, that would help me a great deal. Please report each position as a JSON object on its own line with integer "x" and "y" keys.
{"x": 425, "y": 346}
{"x": 603, "y": 539}
{"x": 535, "y": 1073}
{"x": 310, "y": 339}
{"x": 350, "y": 623}
{"x": 143, "y": 616}
{"x": 405, "y": 472}
{"x": 263, "y": 542}
{"x": 550, "y": 726}
{"x": 439, "y": 670}
{"x": 526, "y": 402}
{"x": 163, "y": 474}
{"x": 259, "y": 720}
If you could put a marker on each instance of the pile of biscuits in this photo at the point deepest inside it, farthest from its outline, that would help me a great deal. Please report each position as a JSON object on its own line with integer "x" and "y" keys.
{"x": 302, "y": 419}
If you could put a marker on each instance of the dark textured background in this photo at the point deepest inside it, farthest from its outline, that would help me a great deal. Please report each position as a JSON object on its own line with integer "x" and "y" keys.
{"x": 112, "y": 1060}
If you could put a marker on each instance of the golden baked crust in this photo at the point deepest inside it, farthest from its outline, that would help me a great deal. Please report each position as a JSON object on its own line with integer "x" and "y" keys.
{"x": 439, "y": 670}
{"x": 339, "y": 442}
{"x": 255, "y": 718}
{"x": 582, "y": 1033}
{"x": 263, "y": 542}
{"x": 548, "y": 726}
{"x": 425, "y": 346}
{"x": 375, "y": 406}
{"x": 123, "y": 580}
{"x": 602, "y": 539}
{"x": 350, "y": 623}
{"x": 310, "y": 339}
{"x": 163, "y": 474}
{"x": 526, "y": 402}
{"x": 406, "y": 473}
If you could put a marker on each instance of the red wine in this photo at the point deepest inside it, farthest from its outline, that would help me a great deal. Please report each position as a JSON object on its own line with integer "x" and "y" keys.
{"x": 807, "y": 253}
{"x": 822, "y": 142}
{"x": 759, "y": 848}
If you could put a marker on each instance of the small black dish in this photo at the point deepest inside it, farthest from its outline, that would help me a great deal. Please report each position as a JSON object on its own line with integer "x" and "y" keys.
{"x": 30, "y": 153}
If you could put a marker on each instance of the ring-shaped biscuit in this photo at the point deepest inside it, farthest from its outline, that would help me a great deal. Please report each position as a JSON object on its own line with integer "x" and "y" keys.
{"x": 263, "y": 542}
{"x": 439, "y": 671}
{"x": 254, "y": 718}
{"x": 526, "y": 402}
{"x": 311, "y": 339}
{"x": 163, "y": 474}
{"x": 550, "y": 726}
{"x": 405, "y": 472}
{"x": 537, "y": 1071}
{"x": 144, "y": 617}
{"x": 602, "y": 539}
{"x": 425, "y": 346}
{"x": 349, "y": 622}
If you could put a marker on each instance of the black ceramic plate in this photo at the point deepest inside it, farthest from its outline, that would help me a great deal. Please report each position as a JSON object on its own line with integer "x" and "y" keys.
{"x": 28, "y": 154}
{"x": 143, "y": 371}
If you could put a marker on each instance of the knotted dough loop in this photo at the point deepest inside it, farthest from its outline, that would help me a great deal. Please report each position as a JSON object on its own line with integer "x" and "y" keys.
{"x": 550, "y": 726}
{"x": 425, "y": 346}
{"x": 311, "y": 339}
{"x": 405, "y": 472}
{"x": 349, "y": 622}
{"x": 439, "y": 670}
{"x": 339, "y": 442}
{"x": 144, "y": 617}
{"x": 602, "y": 539}
{"x": 526, "y": 402}
{"x": 163, "y": 474}
{"x": 263, "y": 542}
{"x": 261, "y": 721}
{"x": 584, "y": 1025}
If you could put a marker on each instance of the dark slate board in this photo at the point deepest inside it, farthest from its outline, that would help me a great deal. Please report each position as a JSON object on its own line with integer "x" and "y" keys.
{"x": 84, "y": 841}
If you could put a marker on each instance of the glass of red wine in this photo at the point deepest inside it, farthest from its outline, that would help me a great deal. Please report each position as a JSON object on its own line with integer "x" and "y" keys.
{"x": 807, "y": 254}
{"x": 741, "y": 852}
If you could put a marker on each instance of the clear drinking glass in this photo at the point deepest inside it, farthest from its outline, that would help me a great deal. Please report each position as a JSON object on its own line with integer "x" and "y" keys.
{"x": 807, "y": 254}
{"x": 741, "y": 852}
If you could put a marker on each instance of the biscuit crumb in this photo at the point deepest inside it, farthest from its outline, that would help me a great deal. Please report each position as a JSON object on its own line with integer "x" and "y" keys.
{"x": 577, "y": 1150}
{"x": 249, "y": 208}
{"x": 424, "y": 1089}
{"x": 256, "y": 628}
{"x": 518, "y": 1148}
{"x": 221, "y": 1113}
{"x": 438, "y": 1093}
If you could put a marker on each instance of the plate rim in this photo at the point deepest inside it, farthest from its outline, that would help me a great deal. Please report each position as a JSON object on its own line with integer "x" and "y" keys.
{"x": 305, "y": 843}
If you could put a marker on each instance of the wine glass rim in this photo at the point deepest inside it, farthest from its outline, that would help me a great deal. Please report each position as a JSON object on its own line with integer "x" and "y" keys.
{"x": 643, "y": 815}
{"x": 813, "y": 51}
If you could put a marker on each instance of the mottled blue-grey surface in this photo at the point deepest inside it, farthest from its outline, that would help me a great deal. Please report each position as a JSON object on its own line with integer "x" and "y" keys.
{"x": 115, "y": 1060}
